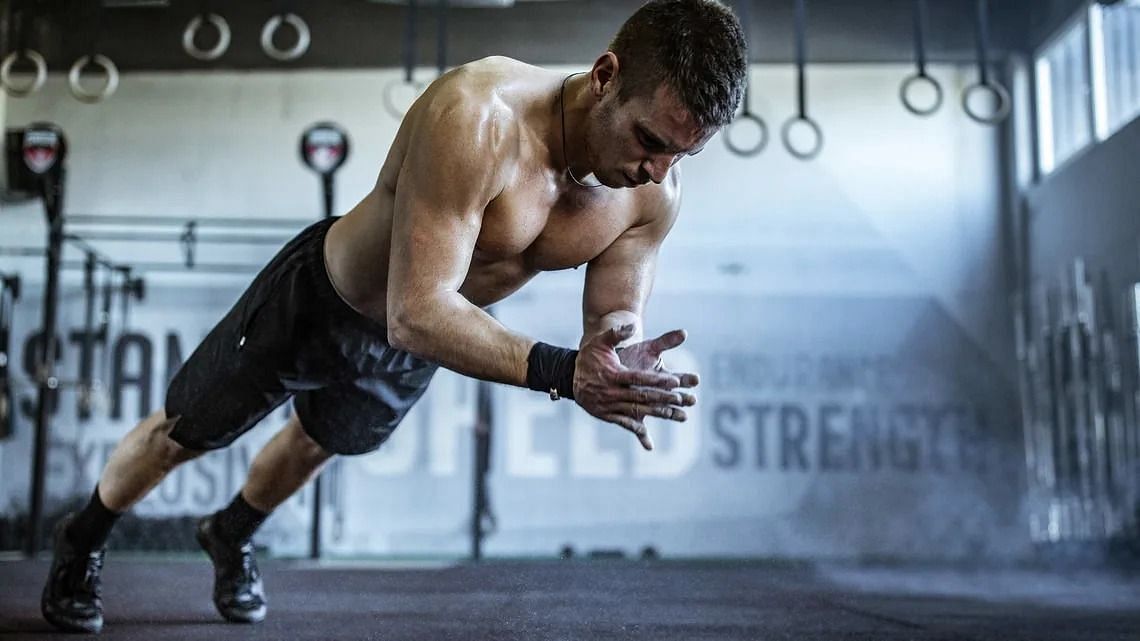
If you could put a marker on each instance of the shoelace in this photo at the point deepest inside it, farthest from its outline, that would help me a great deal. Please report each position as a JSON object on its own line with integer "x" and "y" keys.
{"x": 248, "y": 566}
{"x": 89, "y": 584}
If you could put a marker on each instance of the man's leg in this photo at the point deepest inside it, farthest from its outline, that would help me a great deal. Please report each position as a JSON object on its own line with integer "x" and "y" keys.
{"x": 281, "y": 468}
{"x": 233, "y": 380}
{"x": 140, "y": 461}
{"x": 288, "y": 461}
{"x": 71, "y": 598}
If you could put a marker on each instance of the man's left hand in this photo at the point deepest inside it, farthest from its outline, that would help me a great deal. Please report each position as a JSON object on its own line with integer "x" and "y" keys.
{"x": 647, "y": 355}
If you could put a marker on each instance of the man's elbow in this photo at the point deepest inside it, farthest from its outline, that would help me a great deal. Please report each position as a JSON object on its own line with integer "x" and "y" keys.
{"x": 400, "y": 337}
{"x": 405, "y": 328}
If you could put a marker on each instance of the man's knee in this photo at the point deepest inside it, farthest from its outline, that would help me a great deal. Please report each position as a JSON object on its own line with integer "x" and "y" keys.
{"x": 169, "y": 450}
{"x": 304, "y": 444}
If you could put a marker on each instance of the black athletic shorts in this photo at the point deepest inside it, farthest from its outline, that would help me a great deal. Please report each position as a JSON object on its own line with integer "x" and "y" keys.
{"x": 290, "y": 334}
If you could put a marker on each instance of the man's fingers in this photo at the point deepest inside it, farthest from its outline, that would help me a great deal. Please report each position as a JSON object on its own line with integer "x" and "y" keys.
{"x": 647, "y": 378}
{"x": 669, "y": 340}
{"x": 658, "y": 396}
{"x": 633, "y": 425}
{"x": 687, "y": 379}
{"x": 667, "y": 412}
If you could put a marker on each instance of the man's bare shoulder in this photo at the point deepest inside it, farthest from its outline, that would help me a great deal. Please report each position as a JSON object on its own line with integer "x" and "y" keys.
{"x": 497, "y": 69}
{"x": 659, "y": 204}
{"x": 493, "y": 85}
{"x": 469, "y": 112}
{"x": 466, "y": 100}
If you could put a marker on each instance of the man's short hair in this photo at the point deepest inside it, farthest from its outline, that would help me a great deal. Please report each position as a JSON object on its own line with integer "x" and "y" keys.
{"x": 696, "y": 47}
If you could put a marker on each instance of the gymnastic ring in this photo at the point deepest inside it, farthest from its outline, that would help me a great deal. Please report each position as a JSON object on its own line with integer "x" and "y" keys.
{"x": 786, "y": 135}
{"x": 6, "y": 73}
{"x": 219, "y": 23}
{"x": 998, "y": 91}
{"x": 739, "y": 150}
{"x": 271, "y": 27}
{"x": 910, "y": 82}
{"x": 109, "y": 85}
{"x": 389, "y": 96}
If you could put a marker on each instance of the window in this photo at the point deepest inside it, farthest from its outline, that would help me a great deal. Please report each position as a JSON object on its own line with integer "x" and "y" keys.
{"x": 1088, "y": 80}
{"x": 1115, "y": 32}
{"x": 1064, "y": 116}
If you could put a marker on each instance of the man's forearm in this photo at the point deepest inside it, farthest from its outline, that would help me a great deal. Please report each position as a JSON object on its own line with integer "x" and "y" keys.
{"x": 462, "y": 338}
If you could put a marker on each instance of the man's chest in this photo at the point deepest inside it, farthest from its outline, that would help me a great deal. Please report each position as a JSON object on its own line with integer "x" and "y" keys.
{"x": 543, "y": 230}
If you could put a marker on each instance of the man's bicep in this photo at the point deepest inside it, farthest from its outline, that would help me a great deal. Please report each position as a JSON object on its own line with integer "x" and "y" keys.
{"x": 441, "y": 194}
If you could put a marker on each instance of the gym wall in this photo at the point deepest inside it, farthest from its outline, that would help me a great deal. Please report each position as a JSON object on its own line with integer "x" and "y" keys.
{"x": 1088, "y": 209}
{"x": 849, "y": 317}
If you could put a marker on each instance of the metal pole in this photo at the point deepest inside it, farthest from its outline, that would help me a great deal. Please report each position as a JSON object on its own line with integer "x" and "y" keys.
{"x": 178, "y": 237}
{"x": 315, "y": 535}
{"x": 482, "y": 466}
{"x": 209, "y": 221}
{"x": 53, "y": 205}
{"x": 327, "y": 187}
{"x": 9, "y": 293}
{"x": 86, "y": 356}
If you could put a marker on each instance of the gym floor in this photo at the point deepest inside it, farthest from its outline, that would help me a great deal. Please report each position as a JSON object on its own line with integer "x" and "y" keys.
{"x": 660, "y": 600}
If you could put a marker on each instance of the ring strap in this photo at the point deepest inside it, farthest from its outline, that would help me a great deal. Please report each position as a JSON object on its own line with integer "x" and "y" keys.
{"x": 96, "y": 30}
{"x": 21, "y": 28}
{"x": 981, "y": 40}
{"x": 801, "y": 56}
{"x": 744, "y": 12}
{"x": 23, "y": 25}
{"x": 410, "y": 41}
{"x": 441, "y": 35}
{"x": 920, "y": 20}
{"x": 744, "y": 8}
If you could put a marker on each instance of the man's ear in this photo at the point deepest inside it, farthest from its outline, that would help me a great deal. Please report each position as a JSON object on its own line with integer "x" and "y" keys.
{"x": 604, "y": 75}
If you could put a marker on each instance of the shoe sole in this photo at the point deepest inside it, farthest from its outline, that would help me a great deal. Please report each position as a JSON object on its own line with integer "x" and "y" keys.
{"x": 70, "y": 624}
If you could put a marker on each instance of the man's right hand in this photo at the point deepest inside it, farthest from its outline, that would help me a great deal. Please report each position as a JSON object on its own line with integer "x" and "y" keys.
{"x": 608, "y": 390}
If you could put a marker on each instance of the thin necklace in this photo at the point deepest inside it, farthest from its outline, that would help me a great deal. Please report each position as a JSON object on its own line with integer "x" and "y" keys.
{"x": 562, "y": 108}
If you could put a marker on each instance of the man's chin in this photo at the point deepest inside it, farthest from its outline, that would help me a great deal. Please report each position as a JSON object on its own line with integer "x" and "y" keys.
{"x": 617, "y": 181}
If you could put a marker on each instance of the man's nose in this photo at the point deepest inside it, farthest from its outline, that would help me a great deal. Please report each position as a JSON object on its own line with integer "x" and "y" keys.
{"x": 658, "y": 166}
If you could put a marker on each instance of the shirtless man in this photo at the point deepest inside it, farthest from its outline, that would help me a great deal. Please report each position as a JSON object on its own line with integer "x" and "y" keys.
{"x": 487, "y": 183}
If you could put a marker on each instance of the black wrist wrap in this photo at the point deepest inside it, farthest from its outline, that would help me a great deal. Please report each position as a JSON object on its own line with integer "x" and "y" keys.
{"x": 551, "y": 369}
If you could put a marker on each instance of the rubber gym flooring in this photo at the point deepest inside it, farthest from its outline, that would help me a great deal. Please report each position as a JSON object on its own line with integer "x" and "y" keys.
{"x": 149, "y": 600}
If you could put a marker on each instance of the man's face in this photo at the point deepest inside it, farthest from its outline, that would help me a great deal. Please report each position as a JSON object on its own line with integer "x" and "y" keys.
{"x": 637, "y": 141}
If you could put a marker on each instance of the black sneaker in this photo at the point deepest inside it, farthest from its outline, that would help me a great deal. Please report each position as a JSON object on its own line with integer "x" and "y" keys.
{"x": 238, "y": 592}
{"x": 71, "y": 600}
